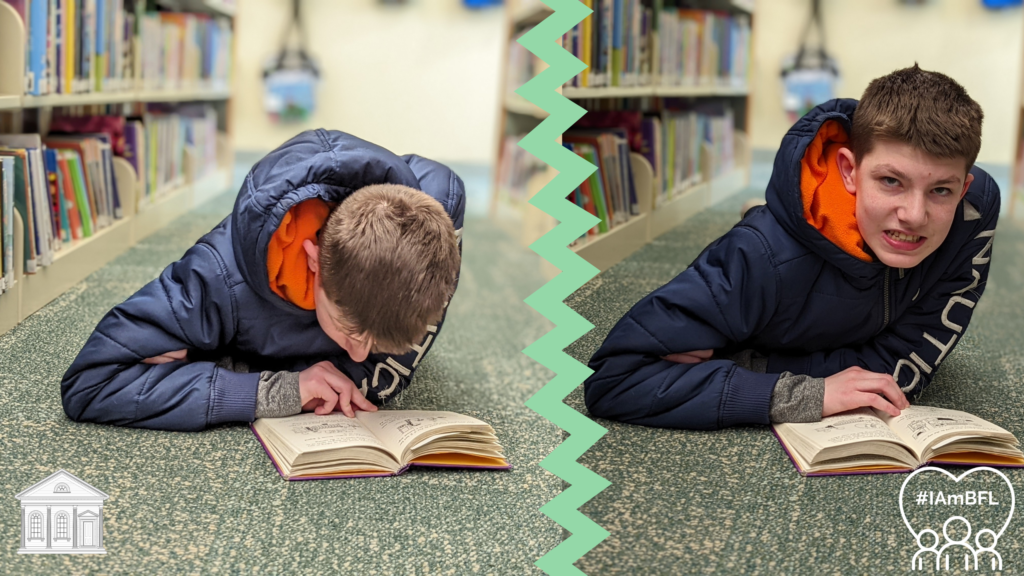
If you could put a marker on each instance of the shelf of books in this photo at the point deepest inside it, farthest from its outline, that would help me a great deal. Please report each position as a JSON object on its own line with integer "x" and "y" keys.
{"x": 667, "y": 101}
{"x": 115, "y": 125}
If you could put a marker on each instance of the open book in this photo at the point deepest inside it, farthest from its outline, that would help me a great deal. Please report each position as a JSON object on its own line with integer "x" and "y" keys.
{"x": 869, "y": 441}
{"x": 384, "y": 443}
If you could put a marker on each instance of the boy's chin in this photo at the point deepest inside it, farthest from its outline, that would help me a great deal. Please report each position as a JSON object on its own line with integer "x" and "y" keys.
{"x": 894, "y": 260}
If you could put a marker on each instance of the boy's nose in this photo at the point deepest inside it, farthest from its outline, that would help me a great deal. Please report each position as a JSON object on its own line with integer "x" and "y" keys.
{"x": 913, "y": 211}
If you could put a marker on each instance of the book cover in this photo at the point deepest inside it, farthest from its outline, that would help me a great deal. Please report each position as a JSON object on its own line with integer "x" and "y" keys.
{"x": 8, "y": 219}
{"x": 70, "y": 197}
{"x": 23, "y": 204}
{"x": 589, "y": 153}
{"x": 36, "y": 48}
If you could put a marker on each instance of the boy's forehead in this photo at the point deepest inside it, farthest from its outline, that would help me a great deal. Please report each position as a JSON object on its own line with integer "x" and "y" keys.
{"x": 909, "y": 162}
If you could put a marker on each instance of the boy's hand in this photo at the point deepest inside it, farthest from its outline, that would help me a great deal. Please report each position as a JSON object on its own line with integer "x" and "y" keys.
{"x": 856, "y": 387}
{"x": 695, "y": 357}
{"x": 324, "y": 387}
{"x": 168, "y": 357}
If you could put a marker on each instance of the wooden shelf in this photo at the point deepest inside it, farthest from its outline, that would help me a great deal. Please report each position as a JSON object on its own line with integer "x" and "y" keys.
{"x": 608, "y": 249}
{"x": 52, "y": 100}
{"x": 10, "y": 300}
{"x": 531, "y": 14}
{"x": 229, "y": 8}
{"x": 12, "y": 78}
{"x": 74, "y": 263}
{"x": 679, "y": 209}
{"x": 518, "y": 105}
{"x": 710, "y": 90}
{"x": 605, "y": 250}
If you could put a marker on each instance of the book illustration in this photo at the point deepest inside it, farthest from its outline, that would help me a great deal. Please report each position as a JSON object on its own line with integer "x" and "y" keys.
{"x": 334, "y": 426}
{"x": 919, "y": 427}
{"x": 411, "y": 423}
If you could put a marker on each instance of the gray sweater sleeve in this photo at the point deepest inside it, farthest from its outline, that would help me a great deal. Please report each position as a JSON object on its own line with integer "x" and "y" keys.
{"x": 278, "y": 393}
{"x": 796, "y": 398}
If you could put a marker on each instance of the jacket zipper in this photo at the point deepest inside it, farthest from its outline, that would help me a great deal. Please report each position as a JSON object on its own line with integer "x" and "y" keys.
{"x": 885, "y": 319}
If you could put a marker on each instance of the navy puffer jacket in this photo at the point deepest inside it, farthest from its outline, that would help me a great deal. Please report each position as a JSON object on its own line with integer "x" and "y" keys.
{"x": 776, "y": 285}
{"x": 217, "y": 301}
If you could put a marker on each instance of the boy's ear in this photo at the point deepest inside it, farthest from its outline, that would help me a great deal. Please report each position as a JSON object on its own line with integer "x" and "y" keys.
{"x": 967, "y": 184}
{"x": 312, "y": 255}
{"x": 847, "y": 169}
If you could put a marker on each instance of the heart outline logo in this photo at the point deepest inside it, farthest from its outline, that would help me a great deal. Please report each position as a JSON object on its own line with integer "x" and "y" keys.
{"x": 1013, "y": 496}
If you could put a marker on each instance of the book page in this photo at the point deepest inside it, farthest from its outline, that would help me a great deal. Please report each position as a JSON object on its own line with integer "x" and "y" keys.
{"x": 847, "y": 427}
{"x": 920, "y": 426}
{"x": 309, "y": 432}
{"x": 400, "y": 429}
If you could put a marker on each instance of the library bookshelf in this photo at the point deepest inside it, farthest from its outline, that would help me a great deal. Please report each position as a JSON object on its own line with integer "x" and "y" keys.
{"x": 517, "y": 116}
{"x": 141, "y": 216}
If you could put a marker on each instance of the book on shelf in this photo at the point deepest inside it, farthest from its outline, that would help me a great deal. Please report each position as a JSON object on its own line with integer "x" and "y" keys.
{"x": 64, "y": 188}
{"x": 522, "y": 66}
{"x": 80, "y": 46}
{"x": 610, "y": 192}
{"x": 384, "y": 443}
{"x": 682, "y": 140}
{"x": 515, "y": 168}
{"x": 869, "y": 441}
{"x": 659, "y": 42}
{"x": 6, "y": 223}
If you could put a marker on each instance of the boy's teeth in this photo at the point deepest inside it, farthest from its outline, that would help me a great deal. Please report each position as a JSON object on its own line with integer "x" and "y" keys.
{"x": 903, "y": 237}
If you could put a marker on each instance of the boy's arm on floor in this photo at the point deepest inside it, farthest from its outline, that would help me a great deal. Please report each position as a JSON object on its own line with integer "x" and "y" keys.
{"x": 189, "y": 306}
{"x": 913, "y": 346}
{"x": 727, "y": 295}
{"x": 796, "y": 397}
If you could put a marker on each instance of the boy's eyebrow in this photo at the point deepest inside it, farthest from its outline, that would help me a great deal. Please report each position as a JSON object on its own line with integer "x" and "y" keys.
{"x": 899, "y": 174}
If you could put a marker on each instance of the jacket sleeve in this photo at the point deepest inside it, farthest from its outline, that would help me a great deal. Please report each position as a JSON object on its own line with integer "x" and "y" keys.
{"x": 189, "y": 306}
{"x": 725, "y": 296}
{"x": 913, "y": 346}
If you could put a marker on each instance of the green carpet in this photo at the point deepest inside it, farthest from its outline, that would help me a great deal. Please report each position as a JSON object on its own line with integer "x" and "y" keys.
{"x": 212, "y": 503}
{"x": 730, "y": 502}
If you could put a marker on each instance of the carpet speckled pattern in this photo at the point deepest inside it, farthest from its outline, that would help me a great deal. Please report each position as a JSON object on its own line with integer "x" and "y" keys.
{"x": 212, "y": 503}
{"x": 730, "y": 501}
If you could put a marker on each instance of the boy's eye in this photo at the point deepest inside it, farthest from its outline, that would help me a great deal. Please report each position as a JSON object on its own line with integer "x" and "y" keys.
{"x": 943, "y": 191}
{"x": 890, "y": 181}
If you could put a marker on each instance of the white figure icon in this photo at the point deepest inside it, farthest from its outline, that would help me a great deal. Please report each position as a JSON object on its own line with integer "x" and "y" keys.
{"x": 917, "y": 563}
{"x": 958, "y": 544}
{"x": 997, "y": 559}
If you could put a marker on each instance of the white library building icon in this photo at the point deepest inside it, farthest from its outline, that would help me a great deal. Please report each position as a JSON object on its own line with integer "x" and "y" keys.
{"x": 61, "y": 515}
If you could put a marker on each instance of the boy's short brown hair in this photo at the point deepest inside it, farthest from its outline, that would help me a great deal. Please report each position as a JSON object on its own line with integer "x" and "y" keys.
{"x": 389, "y": 260}
{"x": 928, "y": 110}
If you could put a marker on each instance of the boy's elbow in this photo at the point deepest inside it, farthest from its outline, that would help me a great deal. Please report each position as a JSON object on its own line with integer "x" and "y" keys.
{"x": 79, "y": 390}
{"x": 600, "y": 400}
{"x": 72, "y": 398}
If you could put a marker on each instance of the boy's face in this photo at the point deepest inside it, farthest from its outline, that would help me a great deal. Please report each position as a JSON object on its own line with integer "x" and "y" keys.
{"x": 327, "y": 314}
{"x": 906, "y": 199}
{"x": 357, "y": 346}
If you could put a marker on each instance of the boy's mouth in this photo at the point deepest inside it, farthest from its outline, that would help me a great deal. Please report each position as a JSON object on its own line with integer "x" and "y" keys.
{"x": 902, "y": 241}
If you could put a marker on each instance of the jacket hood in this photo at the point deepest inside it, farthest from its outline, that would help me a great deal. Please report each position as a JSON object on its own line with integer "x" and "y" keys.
{"x": 786, "y": 200}
{"x": 329, "y": 165}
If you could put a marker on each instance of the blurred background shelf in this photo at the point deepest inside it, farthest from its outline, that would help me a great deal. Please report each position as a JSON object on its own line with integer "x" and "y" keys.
{"x": 717, "y": 99}
{"x": 206, "y": 172}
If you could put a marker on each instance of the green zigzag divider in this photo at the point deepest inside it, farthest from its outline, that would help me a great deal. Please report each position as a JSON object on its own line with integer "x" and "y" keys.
{"x": 548, "y": 300}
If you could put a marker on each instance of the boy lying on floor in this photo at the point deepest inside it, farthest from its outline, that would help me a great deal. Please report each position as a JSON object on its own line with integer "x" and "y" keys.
{"x": 848, "y": 289}
{"x": 322, "y": 290}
